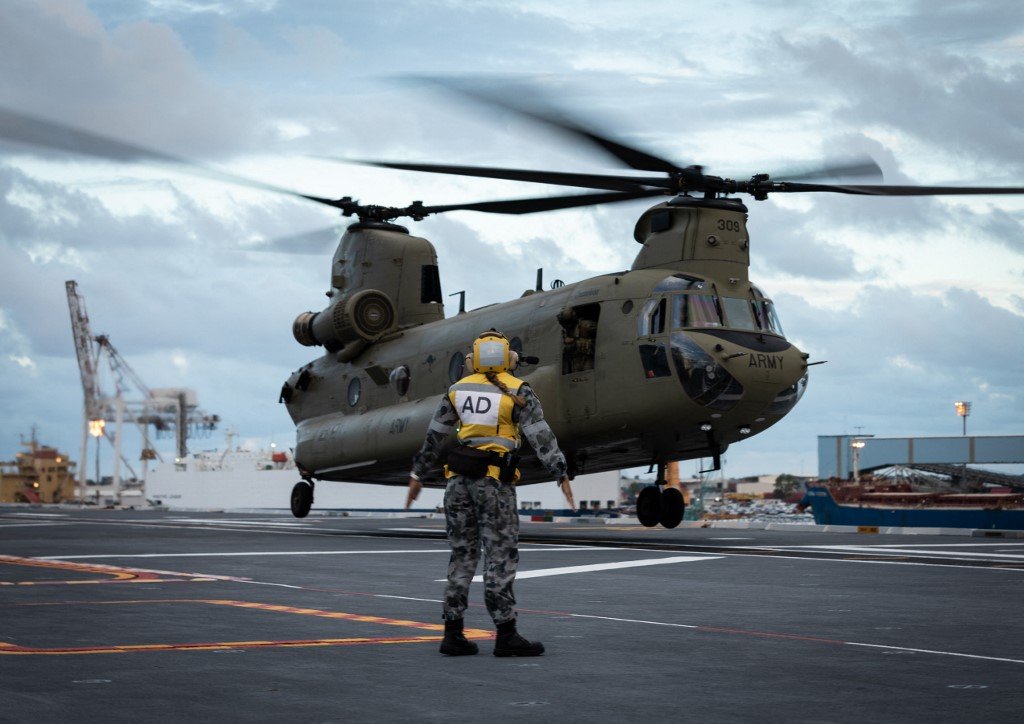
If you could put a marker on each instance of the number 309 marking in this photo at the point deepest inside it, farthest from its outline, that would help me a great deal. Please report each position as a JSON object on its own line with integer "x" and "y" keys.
{"x": 728, "y": 225}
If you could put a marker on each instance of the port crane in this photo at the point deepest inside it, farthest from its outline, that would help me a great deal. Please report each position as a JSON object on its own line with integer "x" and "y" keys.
{"x": 170, "y": 411}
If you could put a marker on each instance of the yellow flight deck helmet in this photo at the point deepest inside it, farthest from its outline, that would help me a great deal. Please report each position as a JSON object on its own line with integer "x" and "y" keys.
{"x": 491, "y": 353}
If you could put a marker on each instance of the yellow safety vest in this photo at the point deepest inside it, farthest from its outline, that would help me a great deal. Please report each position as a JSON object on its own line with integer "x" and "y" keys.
{"x": 485, "y": 415}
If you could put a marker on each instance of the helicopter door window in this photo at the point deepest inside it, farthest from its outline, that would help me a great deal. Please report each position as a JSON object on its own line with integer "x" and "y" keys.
{"x": 738, "y": 314}
{"x": 695, "y": 310}
{"x": 655, "y": 360}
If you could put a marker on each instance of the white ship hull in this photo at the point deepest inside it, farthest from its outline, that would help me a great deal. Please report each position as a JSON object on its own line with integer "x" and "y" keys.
{"x": 244, "y": 480}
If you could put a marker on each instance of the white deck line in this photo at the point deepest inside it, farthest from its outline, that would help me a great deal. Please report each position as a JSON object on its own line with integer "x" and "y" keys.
{"x": 563, "y": 570}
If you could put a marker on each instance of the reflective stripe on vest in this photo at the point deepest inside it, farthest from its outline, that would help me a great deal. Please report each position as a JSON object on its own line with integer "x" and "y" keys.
{"x": 485, "y": 412}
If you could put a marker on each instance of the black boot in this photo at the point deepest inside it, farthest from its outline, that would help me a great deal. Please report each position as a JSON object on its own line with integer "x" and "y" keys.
{"x": 455, "y": 642}
{"x": 510, "y": 643}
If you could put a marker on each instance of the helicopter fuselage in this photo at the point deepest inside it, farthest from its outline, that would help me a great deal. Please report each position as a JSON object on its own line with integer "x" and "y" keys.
{"x": 674, "y": 359}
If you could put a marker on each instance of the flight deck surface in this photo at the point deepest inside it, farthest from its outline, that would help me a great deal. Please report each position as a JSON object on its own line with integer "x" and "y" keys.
{"x": 159, "y": 616}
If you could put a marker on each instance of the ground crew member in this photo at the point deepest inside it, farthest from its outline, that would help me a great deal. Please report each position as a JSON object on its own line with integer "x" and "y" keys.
{"x": 493, "y": 411}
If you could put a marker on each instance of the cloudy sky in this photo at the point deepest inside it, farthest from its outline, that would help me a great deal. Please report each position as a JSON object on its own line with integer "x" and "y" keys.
{"x": 914, "y": 302}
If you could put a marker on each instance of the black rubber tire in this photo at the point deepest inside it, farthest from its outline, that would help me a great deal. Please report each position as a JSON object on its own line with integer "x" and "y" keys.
{"x": 648, "y": 506}
{"x": 673, "y": 505}
{"x": 302, "y": 499}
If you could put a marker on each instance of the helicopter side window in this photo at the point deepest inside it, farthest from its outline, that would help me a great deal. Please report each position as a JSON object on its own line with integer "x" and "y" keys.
{"x": 738, "y": 314}
{"x": 354, "y": 391}
{"x": 399, "y": 377}
{"x": 652, "y": 318}
{"x": 456, "y": 366}
{"x": 695, "y": 310}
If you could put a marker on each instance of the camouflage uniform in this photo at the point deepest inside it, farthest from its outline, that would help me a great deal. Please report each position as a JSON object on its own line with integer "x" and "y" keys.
{"x": 483, "y": 513}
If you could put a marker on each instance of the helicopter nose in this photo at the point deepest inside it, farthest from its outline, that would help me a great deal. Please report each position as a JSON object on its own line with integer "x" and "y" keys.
{"x": 747, "y": 377}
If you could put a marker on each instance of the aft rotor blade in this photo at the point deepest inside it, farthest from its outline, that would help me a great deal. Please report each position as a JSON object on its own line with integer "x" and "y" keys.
{"x": 547, "y": 203}
{"x": 582, "y": 180}
{"x": 317, "y": 241}
{"x": 35, "y": 131}
{"x": 629, "y": 155}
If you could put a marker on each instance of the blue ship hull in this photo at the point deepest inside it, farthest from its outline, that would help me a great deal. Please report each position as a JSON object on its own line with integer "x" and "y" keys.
{"x": 828, "y": 512}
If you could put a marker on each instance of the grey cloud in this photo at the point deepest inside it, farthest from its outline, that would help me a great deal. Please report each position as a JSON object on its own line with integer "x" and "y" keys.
{"x": 956, "y": 103}
{"x": 135, "y": 82}
{"x": 1005, "y": 228}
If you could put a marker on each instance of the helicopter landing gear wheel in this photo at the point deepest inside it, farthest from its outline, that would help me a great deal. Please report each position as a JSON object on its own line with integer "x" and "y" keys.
{"x": 672, "y": 507}
{"x": 648, "y": 506}
{"x": 302, "y": 498}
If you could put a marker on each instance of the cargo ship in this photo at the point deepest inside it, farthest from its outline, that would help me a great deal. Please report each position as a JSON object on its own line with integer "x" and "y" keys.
{"x": 40, "y": 474}
{"x": 895, "y": 507}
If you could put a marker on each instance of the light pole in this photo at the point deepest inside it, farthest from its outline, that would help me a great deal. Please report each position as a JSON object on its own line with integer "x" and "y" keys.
{"x": 857, "y": 444}
{"x": 96, "y": 430}
{"x": 963, "y": 409}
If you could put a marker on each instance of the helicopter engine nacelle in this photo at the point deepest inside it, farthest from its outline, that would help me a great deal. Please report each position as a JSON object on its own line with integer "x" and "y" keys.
{"x": 360, "y": 317}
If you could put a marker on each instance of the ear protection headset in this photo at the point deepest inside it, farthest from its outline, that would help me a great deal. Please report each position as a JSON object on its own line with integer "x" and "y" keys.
{"x": 491, "y": 353}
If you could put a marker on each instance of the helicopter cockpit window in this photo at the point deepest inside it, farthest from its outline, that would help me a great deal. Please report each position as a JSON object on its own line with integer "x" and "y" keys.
{"x": 738, "y": 314}
{"x": 679, "y": 283}
{"x": 771, "y": 318}
{"x": 652, "y": 318}
{"x": 456, "y": 367}
{"x": 400, "y": 379}
{"x": 695, "y": 310}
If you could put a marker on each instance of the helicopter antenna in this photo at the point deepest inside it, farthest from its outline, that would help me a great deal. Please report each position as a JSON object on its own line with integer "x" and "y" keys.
{"x": 462, "y": 300}
{"x": 540, "y": 280}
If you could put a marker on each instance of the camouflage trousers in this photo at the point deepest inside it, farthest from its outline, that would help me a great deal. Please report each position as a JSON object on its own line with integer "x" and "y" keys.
{"x": 481, "y": 514}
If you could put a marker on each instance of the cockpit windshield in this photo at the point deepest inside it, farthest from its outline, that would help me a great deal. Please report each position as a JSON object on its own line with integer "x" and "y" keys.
{"x": 695, "y": 310}
{"x": 693, "y": 304}
{"x": 739, "y": 313}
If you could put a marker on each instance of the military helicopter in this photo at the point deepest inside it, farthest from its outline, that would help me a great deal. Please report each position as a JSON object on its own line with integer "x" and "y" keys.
{"x": 675, "y": 358}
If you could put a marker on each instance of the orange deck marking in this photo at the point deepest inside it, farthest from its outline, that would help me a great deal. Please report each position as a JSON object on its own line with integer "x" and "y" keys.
{"x": 117, "y": 574}
{"x": 7, "y": 649}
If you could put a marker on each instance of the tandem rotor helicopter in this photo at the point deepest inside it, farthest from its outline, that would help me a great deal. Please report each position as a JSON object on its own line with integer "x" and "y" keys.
{"x": 675, "y": 358}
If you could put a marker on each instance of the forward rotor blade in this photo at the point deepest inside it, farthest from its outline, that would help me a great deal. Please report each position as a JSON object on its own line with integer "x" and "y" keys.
{"x": 547, "y": 203}
{"x": 883, "y": 190}
{"x": 629, "y": 155}
{"x": 43, "y": 133}
{"x": 582, "y": 180}
{"x": 849, "y": 168}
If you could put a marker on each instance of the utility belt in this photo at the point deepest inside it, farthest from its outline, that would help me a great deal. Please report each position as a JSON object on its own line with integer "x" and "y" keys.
{"x": 473, "y": 462}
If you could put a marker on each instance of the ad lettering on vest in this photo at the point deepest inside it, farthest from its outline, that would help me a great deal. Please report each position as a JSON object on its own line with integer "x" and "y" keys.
{"x": 478, "y": 408}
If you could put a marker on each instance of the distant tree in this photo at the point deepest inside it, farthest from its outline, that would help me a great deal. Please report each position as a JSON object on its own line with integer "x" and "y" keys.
{"x": 786, "y": 484}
